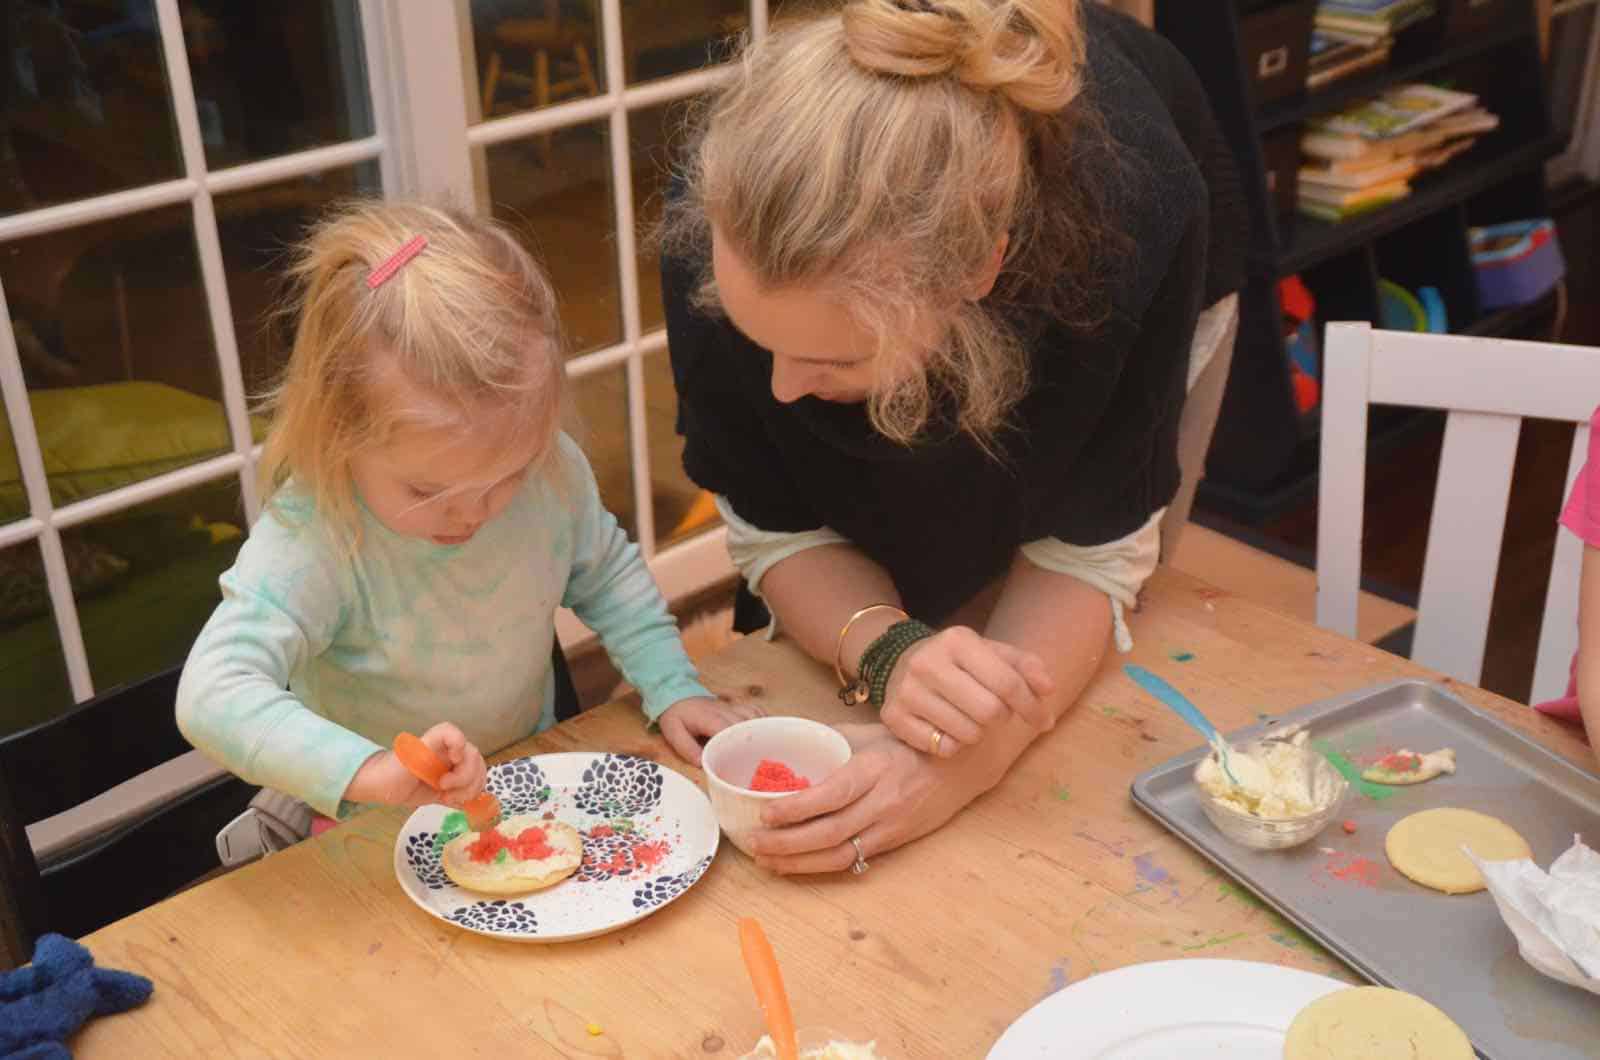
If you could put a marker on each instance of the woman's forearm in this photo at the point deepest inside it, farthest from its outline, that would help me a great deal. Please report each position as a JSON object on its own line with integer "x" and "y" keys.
{"x": 813, "y": 594}
{"x": 1063, "y": 621}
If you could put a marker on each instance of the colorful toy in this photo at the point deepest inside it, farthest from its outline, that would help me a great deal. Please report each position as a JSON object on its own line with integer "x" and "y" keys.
{"x": 1517, "y": 262}
{"x": 1300, "y": 340}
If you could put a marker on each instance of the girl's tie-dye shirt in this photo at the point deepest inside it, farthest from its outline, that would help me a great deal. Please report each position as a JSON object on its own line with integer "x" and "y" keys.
{"x": 314, "y": 660}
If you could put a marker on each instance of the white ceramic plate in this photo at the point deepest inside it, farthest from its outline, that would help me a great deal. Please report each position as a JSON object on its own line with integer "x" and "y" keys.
{"x": 648, "y": 835}
{"x": 1232, "y": 1010}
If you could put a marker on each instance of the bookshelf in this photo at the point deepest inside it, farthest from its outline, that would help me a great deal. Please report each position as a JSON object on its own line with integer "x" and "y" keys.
{"x": 1401, "y": 67}
{"x": 1263, "y": 455}
{"x": 1309, "y": 242}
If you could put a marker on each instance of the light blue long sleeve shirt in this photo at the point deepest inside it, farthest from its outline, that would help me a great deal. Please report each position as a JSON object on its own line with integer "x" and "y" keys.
{"x": 314, "y": 660}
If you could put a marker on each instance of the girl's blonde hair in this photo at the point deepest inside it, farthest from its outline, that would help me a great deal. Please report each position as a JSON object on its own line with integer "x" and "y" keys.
{"x": 883, "y": 152}
{"x": 470, "y": 320}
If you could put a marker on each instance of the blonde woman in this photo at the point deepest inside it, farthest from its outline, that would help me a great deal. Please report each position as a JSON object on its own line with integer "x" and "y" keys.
{"x": 427, "y": 518}
{"x": 934, "y": 276}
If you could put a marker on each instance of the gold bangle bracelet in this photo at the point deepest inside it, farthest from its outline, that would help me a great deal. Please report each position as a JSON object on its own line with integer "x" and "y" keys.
{"x": 838, "y": 648}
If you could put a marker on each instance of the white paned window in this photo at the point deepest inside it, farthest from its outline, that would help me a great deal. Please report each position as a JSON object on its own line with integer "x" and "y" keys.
{"x": 156, "y": 156}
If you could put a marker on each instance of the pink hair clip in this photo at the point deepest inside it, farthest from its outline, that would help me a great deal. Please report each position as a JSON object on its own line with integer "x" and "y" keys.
{"x": 396, "y": 261}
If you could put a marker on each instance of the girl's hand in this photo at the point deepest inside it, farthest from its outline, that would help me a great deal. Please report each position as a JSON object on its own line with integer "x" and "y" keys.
{"x": 960, "y": 683}
{"x": 384, "y": 779}
{"x": 688, "y": 723}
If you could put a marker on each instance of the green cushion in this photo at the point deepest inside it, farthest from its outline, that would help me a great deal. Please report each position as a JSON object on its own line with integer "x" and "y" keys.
{"x": 97, "y": 438}
{"x": 146, "y": 623}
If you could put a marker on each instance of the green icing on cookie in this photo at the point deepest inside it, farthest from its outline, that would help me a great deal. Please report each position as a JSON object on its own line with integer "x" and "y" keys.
{"x": 453, "y": 825}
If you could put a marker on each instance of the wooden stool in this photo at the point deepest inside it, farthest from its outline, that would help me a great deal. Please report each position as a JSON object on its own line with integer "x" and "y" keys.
{"x": 542, "y": 37}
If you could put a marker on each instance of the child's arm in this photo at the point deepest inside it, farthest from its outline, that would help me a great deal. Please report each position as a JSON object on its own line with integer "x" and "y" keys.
{"x": 612, "y": 591}
{"x": 1589, "y": 646}
{"x": 282, "y": 603}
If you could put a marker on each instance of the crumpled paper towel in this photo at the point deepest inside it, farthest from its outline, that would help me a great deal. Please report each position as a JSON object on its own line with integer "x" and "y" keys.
{"x": 1556, "y": 915}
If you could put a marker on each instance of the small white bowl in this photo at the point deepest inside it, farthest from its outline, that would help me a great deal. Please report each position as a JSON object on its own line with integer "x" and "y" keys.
{"x": 810, "y": 748}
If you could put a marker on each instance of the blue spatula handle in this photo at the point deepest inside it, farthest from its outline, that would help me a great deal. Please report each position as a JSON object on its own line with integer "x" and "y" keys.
{"x": 1179, "y": 703}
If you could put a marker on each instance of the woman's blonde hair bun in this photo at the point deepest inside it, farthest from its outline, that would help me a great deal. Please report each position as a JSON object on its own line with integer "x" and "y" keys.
{"x": 1029, "y": 51}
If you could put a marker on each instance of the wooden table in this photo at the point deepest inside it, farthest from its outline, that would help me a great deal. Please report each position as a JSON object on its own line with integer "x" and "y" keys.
{"x": 1053, "y": 876}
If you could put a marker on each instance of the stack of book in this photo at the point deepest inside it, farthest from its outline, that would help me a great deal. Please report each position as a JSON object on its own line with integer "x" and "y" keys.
{"x": 1367, "y": 156}
{"x": 1370, "y": 23}
{"x": 1333, "y": 59}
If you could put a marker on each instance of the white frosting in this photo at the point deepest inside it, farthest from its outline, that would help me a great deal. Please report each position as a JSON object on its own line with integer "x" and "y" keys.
{"x": 833, "y": 1050}
{"x": 1274, "y": 779}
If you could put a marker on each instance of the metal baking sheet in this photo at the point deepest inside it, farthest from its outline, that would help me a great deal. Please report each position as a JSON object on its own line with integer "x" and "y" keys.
{"x": 1453, "y": 950}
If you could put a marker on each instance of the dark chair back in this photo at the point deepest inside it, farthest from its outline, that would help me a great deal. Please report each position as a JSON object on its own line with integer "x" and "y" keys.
{"x": 67, "y": 760}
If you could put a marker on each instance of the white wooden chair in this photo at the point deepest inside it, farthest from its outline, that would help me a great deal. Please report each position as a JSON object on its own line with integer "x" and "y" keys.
{"x": 1487, "y": 386}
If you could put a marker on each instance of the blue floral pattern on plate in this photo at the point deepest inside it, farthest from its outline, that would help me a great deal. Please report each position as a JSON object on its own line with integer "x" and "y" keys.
{"x": 649, "y": 835}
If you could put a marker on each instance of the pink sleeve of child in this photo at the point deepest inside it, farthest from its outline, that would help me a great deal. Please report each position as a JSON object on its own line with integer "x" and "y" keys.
{"x": 1582, "y": 513}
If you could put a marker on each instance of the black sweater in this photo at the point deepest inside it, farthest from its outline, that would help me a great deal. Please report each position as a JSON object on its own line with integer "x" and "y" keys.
{"x": 1091, "y": 452}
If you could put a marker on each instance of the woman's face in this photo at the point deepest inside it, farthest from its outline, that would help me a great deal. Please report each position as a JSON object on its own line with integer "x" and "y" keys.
{"x": 818, "y": 347}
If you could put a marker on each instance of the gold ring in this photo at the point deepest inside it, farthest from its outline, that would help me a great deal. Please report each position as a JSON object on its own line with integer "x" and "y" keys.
{"x": 934, "y": 741}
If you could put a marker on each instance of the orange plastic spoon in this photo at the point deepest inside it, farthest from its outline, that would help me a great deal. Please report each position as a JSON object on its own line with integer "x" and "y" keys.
{"x": 482, "y": 811}
{"x": 762, "y": 965}
{"x": 420, "y": 759}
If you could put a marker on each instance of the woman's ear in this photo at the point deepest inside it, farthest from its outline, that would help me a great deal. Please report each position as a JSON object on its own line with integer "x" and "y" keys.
{"x": 985, "y": 281}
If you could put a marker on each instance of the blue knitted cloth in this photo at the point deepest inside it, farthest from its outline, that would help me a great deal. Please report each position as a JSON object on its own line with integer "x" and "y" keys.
{"x": 42, "y": 1004}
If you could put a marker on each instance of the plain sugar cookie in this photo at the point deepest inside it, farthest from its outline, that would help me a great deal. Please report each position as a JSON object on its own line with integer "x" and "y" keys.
{"x": 1426, "y": 847}
{"x": 1374, "y": 1023}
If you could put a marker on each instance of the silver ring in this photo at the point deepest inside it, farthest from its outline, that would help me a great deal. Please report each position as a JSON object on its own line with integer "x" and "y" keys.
{"x": 860, "y": 865}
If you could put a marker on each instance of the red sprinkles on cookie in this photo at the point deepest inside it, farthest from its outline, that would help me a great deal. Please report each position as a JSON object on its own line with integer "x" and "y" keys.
{"x": 772, "y": 775}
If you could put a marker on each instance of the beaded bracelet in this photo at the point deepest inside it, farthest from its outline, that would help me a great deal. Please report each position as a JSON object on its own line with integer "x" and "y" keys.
{"x": 852, "y": 693}
{"x": 878, "y": 661}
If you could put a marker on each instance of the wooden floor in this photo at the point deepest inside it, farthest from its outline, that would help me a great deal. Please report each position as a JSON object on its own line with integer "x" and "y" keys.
{"x": 1278, "y": 583}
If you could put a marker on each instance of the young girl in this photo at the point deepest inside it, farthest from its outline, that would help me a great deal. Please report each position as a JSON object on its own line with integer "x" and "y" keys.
{"x": 1582, "y": 516}
{"x": 426, "y": 519}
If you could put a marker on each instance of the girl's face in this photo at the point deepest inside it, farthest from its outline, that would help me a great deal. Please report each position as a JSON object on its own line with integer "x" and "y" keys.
{"x": 441, "y": 483}
{"x": 818, "y": 347}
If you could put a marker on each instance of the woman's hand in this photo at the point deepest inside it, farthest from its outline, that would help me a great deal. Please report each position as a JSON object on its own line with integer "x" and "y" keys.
{"x": 886, "y": 796}
{"x": 384, "y": 779}
{"x": 688, "y": 723}
{"x": 962, "y": 684}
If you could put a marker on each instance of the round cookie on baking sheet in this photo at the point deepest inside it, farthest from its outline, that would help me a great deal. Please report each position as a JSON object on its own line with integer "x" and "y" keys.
{"x": 1426, "y": 847}
{"x": 1374, "y": 1023}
